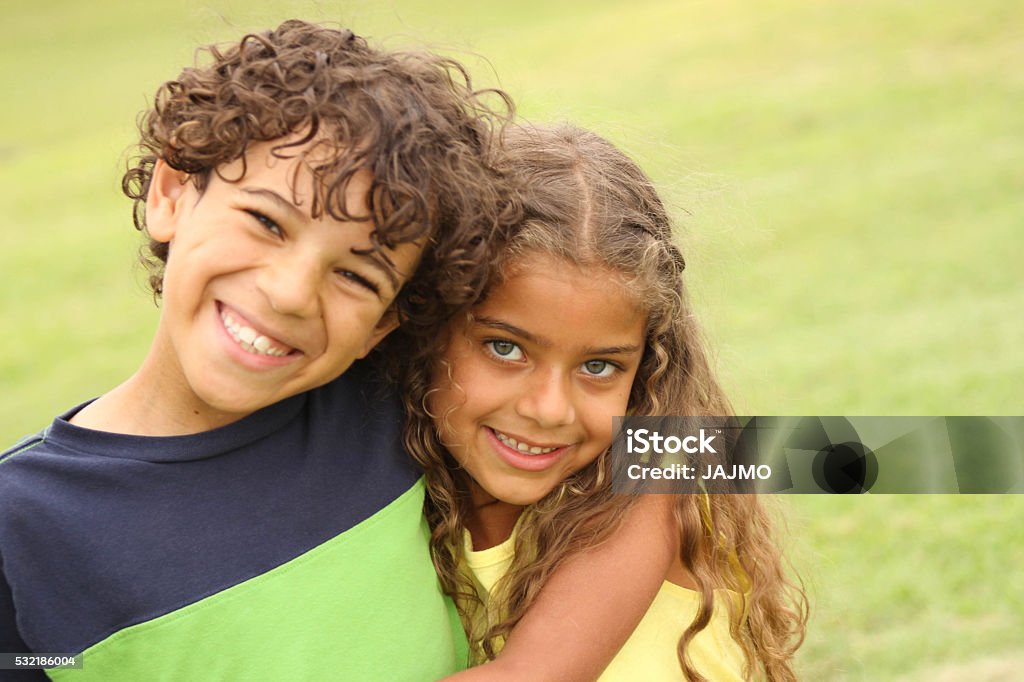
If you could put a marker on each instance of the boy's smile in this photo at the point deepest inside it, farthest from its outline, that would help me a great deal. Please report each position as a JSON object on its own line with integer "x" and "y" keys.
{"x": 251, "y": 339}
{"x": 261, "y": 301}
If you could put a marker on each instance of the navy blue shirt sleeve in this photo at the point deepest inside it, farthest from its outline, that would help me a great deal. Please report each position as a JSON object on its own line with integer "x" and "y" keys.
{"x": 10, "y": 640}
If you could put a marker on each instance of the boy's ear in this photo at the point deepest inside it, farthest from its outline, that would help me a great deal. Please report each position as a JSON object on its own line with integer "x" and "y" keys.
{"x": 164, "y": 201}
{"x": 385, "y": 326}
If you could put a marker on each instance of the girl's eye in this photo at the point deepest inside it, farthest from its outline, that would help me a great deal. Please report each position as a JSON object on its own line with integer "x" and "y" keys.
{"x": 506, "y": 350}
{"x": 599, "y": 368}
{"x": 360, "y": 280}
{"x": 266, "y": 222}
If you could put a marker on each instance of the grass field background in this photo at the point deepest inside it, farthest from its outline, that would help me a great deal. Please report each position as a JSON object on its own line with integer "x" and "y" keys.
{"x": 849, "y": 181}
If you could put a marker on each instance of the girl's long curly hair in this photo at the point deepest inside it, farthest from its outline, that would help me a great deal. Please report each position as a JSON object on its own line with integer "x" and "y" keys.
{"x": 588, "y": 204}
{"x": 413, "y": 119}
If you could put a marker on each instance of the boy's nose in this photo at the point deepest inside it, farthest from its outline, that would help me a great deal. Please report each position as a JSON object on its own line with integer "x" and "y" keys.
{"x": 548, "y": 400}
{"x": 291, "y": 286}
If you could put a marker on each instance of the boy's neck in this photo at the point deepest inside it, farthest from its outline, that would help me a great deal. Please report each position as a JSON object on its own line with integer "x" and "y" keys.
{"x": 145, "y": 405}
{"x": 123, "y": 411}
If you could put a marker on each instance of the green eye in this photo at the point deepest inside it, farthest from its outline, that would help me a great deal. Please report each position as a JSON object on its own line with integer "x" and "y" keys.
{"x": 504, "y": 350}
{"x": 503, "y": 347}
{"x": 598, "y": 368}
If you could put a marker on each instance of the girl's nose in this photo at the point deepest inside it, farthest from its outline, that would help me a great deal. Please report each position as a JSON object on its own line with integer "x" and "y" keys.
{"x": 548, "y": 400}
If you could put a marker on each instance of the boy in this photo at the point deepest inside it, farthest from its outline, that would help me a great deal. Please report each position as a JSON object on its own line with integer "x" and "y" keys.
{"x": 234, "y": 510}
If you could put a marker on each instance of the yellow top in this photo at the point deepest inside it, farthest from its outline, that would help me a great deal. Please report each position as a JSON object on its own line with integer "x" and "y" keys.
{"x": 650, "y": 652}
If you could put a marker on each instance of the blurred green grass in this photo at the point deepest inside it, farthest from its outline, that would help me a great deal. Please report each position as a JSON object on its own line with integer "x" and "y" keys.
{"x": 848, "y": 178}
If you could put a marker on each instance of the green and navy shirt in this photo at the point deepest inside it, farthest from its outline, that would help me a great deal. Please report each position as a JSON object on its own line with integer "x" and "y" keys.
{"x": 289, "y": 545}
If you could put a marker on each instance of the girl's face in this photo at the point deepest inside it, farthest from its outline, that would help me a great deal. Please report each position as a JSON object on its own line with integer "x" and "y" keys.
{"x": 537, "y": 375}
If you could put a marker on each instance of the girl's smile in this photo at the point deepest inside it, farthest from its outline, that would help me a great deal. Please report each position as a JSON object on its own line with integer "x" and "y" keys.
{"x": 527, "y": 388}
{"x": 521, "y": 455}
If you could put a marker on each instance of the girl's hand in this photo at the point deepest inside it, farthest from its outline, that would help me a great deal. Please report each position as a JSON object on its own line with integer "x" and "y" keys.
{"x": 591, "y": 604}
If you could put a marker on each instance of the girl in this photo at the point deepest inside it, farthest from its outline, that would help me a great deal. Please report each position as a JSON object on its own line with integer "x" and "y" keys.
{"x": 511, "y": 417}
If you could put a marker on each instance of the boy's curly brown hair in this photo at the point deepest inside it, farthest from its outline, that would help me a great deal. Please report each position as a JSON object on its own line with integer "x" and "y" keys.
{"x": 413, "y": 119}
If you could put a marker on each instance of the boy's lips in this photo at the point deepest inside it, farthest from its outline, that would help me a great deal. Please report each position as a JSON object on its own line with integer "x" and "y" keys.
{"x": 250, "y": 337}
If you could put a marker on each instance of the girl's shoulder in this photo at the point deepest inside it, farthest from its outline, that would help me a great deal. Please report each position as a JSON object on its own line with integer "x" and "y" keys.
{"x": 650, "y": 652}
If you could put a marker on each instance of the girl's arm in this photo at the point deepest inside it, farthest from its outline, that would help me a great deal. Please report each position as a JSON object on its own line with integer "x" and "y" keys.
{"x": 591, "y": 604}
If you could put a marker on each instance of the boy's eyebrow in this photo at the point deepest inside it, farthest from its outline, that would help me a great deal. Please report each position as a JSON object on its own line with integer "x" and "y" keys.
{"x": 276, "y": 199}
{"x": 379, "y": 263}
{"x": 368, "y": 255}
{"x": 545, "y": 343}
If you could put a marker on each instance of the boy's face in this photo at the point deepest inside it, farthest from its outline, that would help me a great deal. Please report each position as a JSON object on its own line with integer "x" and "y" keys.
{"x": 261, "y": 301}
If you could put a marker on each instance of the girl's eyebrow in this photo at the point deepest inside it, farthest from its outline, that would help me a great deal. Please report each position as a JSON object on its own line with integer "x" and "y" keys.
{"x": 613, "y": 350}
{"x": 511, "y": 329}
{"x": 493, "y": 323}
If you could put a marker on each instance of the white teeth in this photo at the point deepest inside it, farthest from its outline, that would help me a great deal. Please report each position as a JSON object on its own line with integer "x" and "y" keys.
{"x": 522, "y": 447}
{"x": 249, "y": 339}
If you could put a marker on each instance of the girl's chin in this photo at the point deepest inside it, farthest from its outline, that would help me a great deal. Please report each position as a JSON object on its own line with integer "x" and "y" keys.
{"x": 522, "y": 498}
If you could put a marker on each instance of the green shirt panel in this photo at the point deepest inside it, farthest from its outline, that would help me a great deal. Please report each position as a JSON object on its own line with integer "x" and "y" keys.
{"x": 362, "y": 606}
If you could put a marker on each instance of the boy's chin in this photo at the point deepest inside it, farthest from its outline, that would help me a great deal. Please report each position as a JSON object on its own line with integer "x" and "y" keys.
{"x": 227, "y": 396}
{"x": 221, "y": 406}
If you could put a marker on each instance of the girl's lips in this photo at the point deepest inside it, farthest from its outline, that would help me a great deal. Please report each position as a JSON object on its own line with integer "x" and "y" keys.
{"x": 524, "y": 460}
{"x": 525, "y": 446}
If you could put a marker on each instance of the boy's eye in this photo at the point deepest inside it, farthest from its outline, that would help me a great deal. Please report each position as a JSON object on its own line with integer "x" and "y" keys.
{"x": 266, "y": 222}
{"x": 360, "y": 280}
{"x": 506, "y": 350}
{"x": 599, "y": 368}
